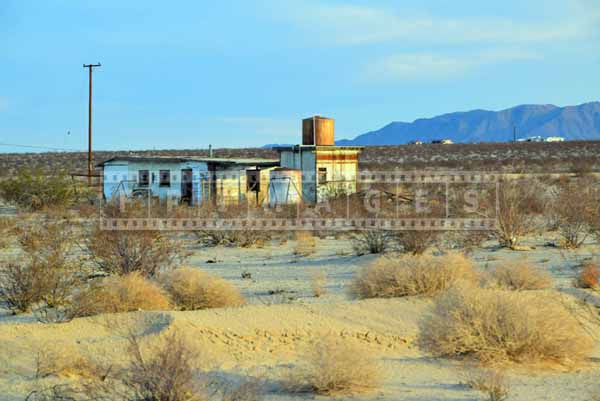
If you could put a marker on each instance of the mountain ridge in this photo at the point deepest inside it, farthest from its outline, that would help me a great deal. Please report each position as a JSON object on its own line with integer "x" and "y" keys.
{"x": 580, "y": 122}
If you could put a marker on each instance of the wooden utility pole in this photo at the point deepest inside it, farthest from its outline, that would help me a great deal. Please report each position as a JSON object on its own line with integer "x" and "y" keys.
{"x": 90, "y": 67}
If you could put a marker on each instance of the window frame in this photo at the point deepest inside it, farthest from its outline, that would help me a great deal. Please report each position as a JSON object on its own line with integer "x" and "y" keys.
{"x": 322, "y": 172}
{"x": 145, "y": 183}
{"x": 164, "y": 174}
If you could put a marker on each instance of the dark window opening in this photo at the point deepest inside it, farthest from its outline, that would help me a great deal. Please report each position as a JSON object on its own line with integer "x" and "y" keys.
{"x": 165, "y": 178}
{"x": 143, "y": 178}
{"x": 253, "y": 180}
{"x": 322, "y": 175}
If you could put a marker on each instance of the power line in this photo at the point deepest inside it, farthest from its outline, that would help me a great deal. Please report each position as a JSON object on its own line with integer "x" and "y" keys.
{"x": 16, "y": 145}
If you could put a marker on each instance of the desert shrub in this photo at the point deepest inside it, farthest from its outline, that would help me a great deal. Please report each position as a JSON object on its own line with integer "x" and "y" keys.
{"x": 519, "y": 276}
{"x": 38, "y": 189}
{"x": 193, "y": 289}
{"x": 574, "y": 208}
{"x": 518, "y": 204}
{"x": 318, "y": 280}
{"x": 334, "y": 367}
{"x": 125, "y": 251}
{"x": 416, "y": 242}
{"x": 306, "y": 243}
{"x": 234, "y": 238}
{"x": 372, "y": 241}
{"x": 20, "y": 286}
{"x": 57, "y": 392}
{"x": 164, "y": 369}
{"x": 470, "y": 239}
{"x": 496, "y": 326}
{"x": 64, "y": 361}
{"x": 412, "y": 275}
{"x": 588, "y": 276}
{"x": 492, "y": 383}
{"x": 131, "y": 292}
{"x": 164, "y": 373}
{"x": 44, "y": 271}
{"x": 8, "y": 227}
{"x": 49, "y": 260}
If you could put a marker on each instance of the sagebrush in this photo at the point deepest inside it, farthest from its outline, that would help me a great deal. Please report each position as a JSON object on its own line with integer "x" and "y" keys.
{"x": 504, "y": 326}
{"x": 131, "y": 292}
{"x": 192, "y": 288}
{"x": 518, "y": 276}
{"x": 412, "y": 275}
{"x": 334, "y": 366}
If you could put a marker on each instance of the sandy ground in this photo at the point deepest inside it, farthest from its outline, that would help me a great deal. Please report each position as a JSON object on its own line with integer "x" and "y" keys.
{"x": 266, "y": 337}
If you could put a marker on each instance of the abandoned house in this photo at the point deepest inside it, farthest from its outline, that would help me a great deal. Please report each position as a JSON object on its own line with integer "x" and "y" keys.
{"x": 326, "y": 169}
{"x": 308, "y": 173}
{"x": 191, "y": 180}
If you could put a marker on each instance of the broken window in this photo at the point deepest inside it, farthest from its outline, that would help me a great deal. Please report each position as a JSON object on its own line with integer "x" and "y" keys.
{"x": 165, "y": 178}
{"x": 253, "y": 180}
{"x": 143, "y": 178}
{"x": 322, "y": 175}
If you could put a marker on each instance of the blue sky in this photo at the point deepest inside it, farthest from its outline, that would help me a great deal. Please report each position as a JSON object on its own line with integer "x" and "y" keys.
{"x": 185, "y": 74}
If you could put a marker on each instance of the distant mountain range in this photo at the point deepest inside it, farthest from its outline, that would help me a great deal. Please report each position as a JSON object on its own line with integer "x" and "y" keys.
{"x": 571, "y": 122}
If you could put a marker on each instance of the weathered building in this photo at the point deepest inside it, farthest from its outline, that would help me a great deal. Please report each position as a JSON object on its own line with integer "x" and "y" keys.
{"x": 326, "y": 169}
{"x": 191, "y": 180}
{"x": 308, "y": 173}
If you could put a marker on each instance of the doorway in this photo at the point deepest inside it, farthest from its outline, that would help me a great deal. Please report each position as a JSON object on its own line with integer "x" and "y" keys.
{"x": 186, "y": 186}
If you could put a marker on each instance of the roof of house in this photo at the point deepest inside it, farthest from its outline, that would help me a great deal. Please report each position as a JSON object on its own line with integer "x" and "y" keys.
{"x": 316, "y": 147}
{"x": 183, "y": 159}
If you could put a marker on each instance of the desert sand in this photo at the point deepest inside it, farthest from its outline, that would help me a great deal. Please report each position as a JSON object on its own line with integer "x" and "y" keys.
{"x": 265, "y": 338}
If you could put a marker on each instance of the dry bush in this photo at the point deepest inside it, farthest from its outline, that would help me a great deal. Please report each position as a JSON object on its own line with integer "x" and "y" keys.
{"x": 125, "y": 251}
{"x": 518, "y": 204}
{"x": 64, "y": 361}
{"x": 57, "y": 392}
{"x": 494, "y": 383}
{"x": 306, "y": 243}
{"x": 193, "y": 289}
{"x": 588, "y": 276}
{"x": 165, "y": 369}
{"x": 372, "y": 241}
{"x": 45, "y": 271}
{"x": 39, "y": 189}
{"x": 48, "y": 251}
{"x": 335, "y": 367}
{"x": 518, "y": 276}
{"x": 412, "y": 275}
{"x": 416, "y": 242}
{"x": 318, "y": 281}
{"x": 469, "y": 240}
{"x": 496, "y": 326}
{"x": 20, "y": 286}
{"x": 8, "y": 227}
{"x": 241, "y": 236}
{"x": 128, "y": 293}
{"x": 164, "y": 373}
{"x": 234, "y": 238}
{"x": 574, "y": 208}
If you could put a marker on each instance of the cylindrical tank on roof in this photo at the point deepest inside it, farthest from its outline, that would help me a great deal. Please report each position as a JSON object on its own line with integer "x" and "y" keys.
{"x": 285, "y": 186}
{"x": 318, "y": 130}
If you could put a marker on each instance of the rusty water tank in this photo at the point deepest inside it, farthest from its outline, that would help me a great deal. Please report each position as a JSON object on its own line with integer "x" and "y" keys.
{"x": 285, "y": 186}
{"x": 318, "y": 130}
